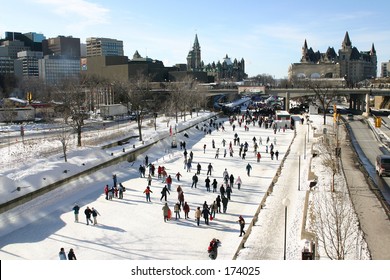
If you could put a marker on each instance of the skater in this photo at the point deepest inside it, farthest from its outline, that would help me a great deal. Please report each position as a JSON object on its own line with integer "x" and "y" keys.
{"x": 88, "y": 213}
{"x": 166, "y": 211}
{"x": 186, "y": 209}
{"x": 248, "y": 169}
{"x": 213, "y": 248}
{"x": 95, "y": 213}
{"x": 204, "y": 148}
{"x": 198, "y": 168}
{"x": 218, "y": 201}
{"x": 189, "y": 165}
{"x": 62, "y": 254}
{"x": 106, "y": 190}
{"x": 198, "y": 214}
{"x": 231, "y": 180}
{"x": 114, "y": 179}
{"x": 177, "y": 210}
{"x": 217, "y": 153}
{"x": 168, "y": 181}
{"x": 178, "y": 175}
{"x": 207, "y": 181}
{"x": 164, "y": 193}
{"x": 111, "y": 193}
{"x": 241, "y": 221}
{"x": 149, "y": 180}
{"x": 238, "y": 182}
{"x": 206, "y": 215}
{"x": 215, "y": 185}
{"x": 147, "y": 193}
{"x": 277, "y": 154}
{"x": 180, "y": 197}
{"x": 76, "y": 210}
{"x": 194, "y": 181}
{"x": 229, "y": 191}
{"x": 71, "y": 255}
{"x": 213, "y": 209}
{"x": 225, "y": 202}
{"x": 122, "y": 189}
{"x": 209, "y": 169}
{"x": 222, "y": 190}
{"x": 258, "y": 156}
{"x": 146, "y": 160}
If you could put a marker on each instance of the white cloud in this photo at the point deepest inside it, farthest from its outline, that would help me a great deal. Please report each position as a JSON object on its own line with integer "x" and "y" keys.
{"x": 80, "y": 13}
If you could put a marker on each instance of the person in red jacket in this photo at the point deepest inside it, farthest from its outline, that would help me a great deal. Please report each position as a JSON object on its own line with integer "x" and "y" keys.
{"x": 147, "y": 192}
{"x": 186, "y": 209}
{"x": 258, "y": 156}
{"x": 168, "y": 181}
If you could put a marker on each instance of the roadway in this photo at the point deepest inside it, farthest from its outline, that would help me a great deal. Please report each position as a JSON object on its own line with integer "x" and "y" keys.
{"x": 369, "y": 192}
{"x": 368, "y": 144}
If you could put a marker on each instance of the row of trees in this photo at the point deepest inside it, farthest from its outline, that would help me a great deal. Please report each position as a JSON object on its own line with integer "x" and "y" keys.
{"x": 73, "y": 97}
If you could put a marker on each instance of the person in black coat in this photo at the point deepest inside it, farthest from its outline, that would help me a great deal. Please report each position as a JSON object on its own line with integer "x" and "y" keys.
{"x": 224, "y": 203}
{"x": 207, "y": 181}
{"x": 215, "y": 185}
{"x": 164, "y": 193}
{"x": 71, "y": 255}
{"x": 218, "y": 201}
{"x": 222, "y": 190}
{"x": 206, "y": 215}
{"x": 88, "y": 213}
{"x": 228, "y": 191}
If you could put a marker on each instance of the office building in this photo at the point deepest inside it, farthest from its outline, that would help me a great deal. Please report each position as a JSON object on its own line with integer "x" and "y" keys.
{"x": 104, "y": 47}
{"x": 68, "y": 47}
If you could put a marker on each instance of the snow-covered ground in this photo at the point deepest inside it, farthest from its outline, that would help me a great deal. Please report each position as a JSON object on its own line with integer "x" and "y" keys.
{"x": 133, "y": 229}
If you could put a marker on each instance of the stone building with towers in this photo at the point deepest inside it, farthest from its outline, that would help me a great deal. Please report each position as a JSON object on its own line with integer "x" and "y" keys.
{"x": 227, "y": 70}
{"x": 348, "y": 64}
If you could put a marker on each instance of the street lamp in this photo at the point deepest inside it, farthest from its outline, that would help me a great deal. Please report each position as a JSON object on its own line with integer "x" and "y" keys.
{"x": 299, "y": 172}
{"x": 286, "y": 203}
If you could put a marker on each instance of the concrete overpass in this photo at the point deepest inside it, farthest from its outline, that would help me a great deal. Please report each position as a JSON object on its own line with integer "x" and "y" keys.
{"x": 358, "y": 97}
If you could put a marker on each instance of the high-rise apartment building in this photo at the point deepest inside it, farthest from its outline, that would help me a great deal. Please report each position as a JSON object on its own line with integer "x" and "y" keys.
{"x": 104, "y": 47}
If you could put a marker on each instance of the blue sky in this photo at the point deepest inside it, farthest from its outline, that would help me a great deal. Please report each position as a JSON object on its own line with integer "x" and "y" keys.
{"x": 269, "y": 35}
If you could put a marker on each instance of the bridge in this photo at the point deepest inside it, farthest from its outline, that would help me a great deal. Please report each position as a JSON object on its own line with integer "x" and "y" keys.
{"x": 359, "y": 97}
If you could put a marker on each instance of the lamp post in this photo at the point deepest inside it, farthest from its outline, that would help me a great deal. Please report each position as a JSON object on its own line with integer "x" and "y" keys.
{"x": 308, "y": 127}
{"x": 155, "y": 121}
{"x": 285, "y": 203}
{"x": 299, "y": 172}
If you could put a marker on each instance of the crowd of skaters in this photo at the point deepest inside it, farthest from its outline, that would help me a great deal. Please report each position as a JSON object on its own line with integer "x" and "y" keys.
{"x": 224, "y": 188}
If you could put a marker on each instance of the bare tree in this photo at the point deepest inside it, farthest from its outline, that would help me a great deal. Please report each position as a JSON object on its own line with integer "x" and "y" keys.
{"x": 324, "y": 93}
{"x": 176, "y": 98}
{"x": 64, "y": 136}
{"x": 335, "y": 224}
{"x": 184, "y": 96}
{"x": 330, "y": 159}
{"x": 139, "y": 96}
{"x": 71, "y": 95}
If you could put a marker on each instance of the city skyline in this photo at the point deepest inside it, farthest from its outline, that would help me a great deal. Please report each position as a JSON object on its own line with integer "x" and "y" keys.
{"x": 268, "y": 36}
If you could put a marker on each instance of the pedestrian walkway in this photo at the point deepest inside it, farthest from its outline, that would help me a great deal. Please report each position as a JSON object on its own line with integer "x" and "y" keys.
{"x": 264, "y": 243}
